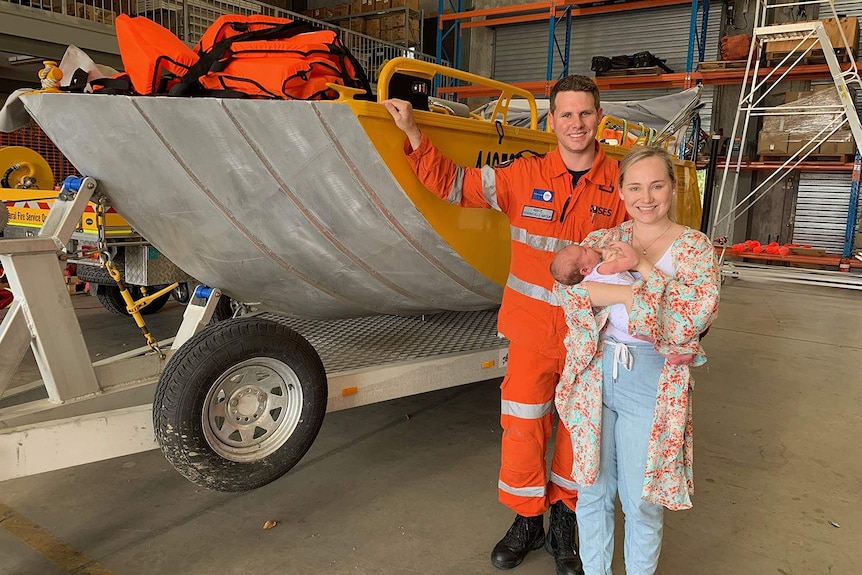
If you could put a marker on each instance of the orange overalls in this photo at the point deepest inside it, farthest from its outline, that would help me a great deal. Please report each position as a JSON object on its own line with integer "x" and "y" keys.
{"x": 545, "y": 214}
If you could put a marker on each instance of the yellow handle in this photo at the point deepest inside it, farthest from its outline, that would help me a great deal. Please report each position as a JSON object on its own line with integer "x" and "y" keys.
{"x": 429, "y": 70}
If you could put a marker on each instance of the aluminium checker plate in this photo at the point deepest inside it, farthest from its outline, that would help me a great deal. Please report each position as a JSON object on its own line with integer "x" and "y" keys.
{"x": 352, "y": 344}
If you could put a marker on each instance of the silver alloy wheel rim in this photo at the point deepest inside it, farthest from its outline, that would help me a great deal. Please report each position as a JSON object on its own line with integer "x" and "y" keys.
{"x": 252, "y": 409}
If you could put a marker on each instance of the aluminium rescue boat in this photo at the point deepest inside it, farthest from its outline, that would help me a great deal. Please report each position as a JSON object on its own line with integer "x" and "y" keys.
{"x": 306, "y": 208}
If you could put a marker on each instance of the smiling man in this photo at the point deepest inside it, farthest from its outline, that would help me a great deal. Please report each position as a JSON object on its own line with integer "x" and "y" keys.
{"x": 551, "y": 201}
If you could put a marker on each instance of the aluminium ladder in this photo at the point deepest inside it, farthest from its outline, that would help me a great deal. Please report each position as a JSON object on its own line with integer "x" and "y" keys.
{"x": 751, "y": 105}
{"x": 756, "y": 87}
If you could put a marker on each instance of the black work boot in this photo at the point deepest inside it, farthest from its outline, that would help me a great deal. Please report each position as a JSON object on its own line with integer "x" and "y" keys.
{"x": 562, "y": 540}
{"x": 525, "y": 535}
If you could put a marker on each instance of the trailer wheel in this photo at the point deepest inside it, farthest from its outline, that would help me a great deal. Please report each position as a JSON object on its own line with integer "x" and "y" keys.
{"x": 239, "y": 404}
{"x": 112, "y": 300}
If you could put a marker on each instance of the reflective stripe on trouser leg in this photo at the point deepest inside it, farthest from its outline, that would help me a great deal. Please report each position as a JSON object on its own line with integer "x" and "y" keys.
{"x": 526, "y": 409}
{"x": 561, "y": 486}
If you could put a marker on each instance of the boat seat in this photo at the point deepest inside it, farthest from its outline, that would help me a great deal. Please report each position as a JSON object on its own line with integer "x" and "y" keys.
{"x": 453, "y": 108}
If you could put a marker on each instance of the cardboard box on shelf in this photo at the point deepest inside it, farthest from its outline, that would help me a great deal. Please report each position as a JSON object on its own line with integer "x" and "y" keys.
{"x": 402, "y": 35}
{"x": 394, "y": 21}
{"x": 850, "y": 25}
{"x": 837, "y": 148}
{"x": 340, "y": 10}
{"x": 772, "y": 144}
{"x": 373, "y": 27}
{"x": 382, "y": 4}
{"x": 355, "y": 6}
{"x": 367, "y": 6}
{"x": 795, "y": 144}
{"x": 412, "y": 4}
{"x": 839, "y": 144}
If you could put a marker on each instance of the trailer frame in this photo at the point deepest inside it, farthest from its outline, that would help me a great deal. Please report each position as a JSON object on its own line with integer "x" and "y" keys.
{"x": 96, "y": 411}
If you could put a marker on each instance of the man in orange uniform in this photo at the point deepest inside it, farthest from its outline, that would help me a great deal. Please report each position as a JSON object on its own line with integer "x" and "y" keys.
{"x": 551, "y": 201}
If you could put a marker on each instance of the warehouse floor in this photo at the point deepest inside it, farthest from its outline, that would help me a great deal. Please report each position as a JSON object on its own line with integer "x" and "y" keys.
{"x": 408, "y": 486}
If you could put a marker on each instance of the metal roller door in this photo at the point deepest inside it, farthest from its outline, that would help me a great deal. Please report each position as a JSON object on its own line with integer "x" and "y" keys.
{"x": 821, "y": 210}
{"x": 521, "y": 50}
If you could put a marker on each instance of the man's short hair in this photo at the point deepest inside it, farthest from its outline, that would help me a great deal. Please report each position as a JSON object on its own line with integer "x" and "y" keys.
{"x": 575, "y": 83}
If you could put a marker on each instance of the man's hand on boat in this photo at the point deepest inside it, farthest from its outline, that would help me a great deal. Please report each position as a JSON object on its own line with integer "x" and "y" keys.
{"x": 402, "y": 113}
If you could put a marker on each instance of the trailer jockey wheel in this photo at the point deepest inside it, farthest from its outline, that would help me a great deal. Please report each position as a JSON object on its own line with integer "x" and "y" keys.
{"x": 239, "y": 404}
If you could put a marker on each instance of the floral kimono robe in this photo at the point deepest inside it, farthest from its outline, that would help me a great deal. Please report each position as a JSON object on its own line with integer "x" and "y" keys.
{"x": 671, "y": 311}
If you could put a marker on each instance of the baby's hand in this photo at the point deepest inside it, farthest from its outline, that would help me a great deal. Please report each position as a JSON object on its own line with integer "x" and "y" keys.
{"x": 610, "y": 254}
{"x": 628, "y": 255}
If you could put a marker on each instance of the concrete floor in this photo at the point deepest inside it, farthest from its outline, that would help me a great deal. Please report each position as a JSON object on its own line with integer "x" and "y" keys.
{"x": 408, "y": 486}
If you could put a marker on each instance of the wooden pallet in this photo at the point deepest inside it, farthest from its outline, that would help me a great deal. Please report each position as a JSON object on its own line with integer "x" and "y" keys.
{"x": 830, "y": 158}
{"x": 722, "y": 65}
{"x": 648, "y": 71}
{"x": 814, "y": 57}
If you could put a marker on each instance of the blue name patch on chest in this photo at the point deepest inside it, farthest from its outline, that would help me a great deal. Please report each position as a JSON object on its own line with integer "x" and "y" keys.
{"x": 537, "y": 213}
{"x": 540, "y": 195}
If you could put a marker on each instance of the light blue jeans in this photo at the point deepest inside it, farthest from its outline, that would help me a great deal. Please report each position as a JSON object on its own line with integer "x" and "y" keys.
{"x": 628, "y": 403}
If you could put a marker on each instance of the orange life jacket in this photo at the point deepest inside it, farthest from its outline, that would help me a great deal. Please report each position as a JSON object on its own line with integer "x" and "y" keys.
{"x": 238, "y": 56}
{"x": 153, "y": 57}
{"x": 262, "y": 56}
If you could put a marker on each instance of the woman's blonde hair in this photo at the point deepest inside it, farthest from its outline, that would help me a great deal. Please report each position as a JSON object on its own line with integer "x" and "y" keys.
{"x": 635, "y": 155}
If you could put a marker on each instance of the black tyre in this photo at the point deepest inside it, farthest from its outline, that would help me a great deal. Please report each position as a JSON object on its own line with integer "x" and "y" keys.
{"x": 239, "y": 404}
{"x": 97, "y": 274}
{"x": 112, "y": 300}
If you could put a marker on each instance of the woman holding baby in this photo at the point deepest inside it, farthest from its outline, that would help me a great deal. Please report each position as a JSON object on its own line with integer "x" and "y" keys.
{"x": 624, "y": 395}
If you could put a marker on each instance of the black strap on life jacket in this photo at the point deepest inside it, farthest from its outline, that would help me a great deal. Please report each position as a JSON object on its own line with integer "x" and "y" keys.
{"x": 121, "y": 84}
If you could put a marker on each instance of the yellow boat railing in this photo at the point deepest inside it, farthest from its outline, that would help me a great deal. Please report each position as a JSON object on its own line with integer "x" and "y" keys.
{"x": 429, "y": 70}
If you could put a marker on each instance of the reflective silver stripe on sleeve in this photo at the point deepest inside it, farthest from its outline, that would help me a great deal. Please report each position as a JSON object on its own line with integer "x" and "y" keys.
{"x": 526, "y": 410}
{"x": 532, "y": 290}
{"x": 543, "y": 243}
{"x": 489, "y": 187}
{"x": 457, "y": 191}
{"x": 563, "y": 482}
{"x": 522, "y": 491}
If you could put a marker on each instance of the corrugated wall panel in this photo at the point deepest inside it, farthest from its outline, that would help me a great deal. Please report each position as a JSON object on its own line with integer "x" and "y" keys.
{"x": 821, "y": 210}
{"x": 842, "y": 8}
{"x": 521, "y": 51}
